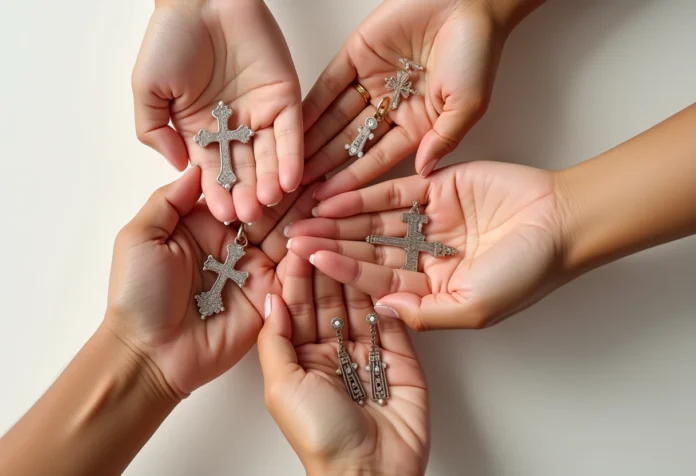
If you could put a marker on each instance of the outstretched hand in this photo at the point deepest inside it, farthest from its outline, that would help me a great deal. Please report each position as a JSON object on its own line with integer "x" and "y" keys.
{"x": 196, "y": 54}
{"x": 503, "y": 219}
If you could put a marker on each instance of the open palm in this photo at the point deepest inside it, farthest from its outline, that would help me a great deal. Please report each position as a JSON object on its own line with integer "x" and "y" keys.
{"x": 458, "y": 43}
{"x": 308, "y": 400}
{"x": 194, "y": 56}
{"x": 503, "y": 219}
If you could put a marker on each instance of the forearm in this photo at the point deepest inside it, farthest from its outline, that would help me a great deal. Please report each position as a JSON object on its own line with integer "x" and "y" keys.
{"x": 635, "y": 196}
{"x": 94, "y": 418}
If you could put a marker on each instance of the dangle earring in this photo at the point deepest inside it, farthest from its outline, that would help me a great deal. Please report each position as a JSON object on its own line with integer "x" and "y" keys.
{"x": 378, "y": 378}
{"x": 346, "y": 367}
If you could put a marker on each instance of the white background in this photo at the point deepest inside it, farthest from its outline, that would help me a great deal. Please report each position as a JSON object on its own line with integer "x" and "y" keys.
{"x": 598, "y": 379}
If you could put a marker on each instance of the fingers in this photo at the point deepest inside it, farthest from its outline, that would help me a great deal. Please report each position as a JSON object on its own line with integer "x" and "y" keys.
{"x": 289, "y": 138}
{"x": 349, "y": 104}
{"x": 394, "y": 337}
{"x": 358, "y": 306}
{"x": 219, "y": 199}
{"x": 433, "y": 312}
{"x": 390, "y": 195}
{"x": 306, "y": 246}
{"x": 356, "y": 227}
{"x": 372, "y": 279}
{"x": 334, "y": 154}
{"x": 447, "y": 132}
{"x": 160, "y": 214}
{"x": 276, "y": 352}
{"x": 328, "y": 302}
{"x": 274, "y": 245}
{"x": 268, "y": 191}
{"x": 388, "y": 151}
{"x": 246, "y": 204}
{"x": 152, "y": 125}
{"x": 298, "y": 294}
{"x": 339, "y": 73}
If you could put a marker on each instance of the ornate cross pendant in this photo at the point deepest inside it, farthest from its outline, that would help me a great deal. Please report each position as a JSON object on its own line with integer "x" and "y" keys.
{"x": 414, "y": 241}
{"x": 224, "y": 136}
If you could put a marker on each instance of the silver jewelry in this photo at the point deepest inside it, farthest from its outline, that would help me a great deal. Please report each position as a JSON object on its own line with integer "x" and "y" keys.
{"x": 376, "y": 367}
{"x": 347, "y": 368}
{"x": 365, "y": 134}
{"x": 410, "y": 64}
{"x": 401, "y": 85}
{"x": 414, "y": 241}
{"x": 224, "y": 136}
{"x": 210, "y": 302}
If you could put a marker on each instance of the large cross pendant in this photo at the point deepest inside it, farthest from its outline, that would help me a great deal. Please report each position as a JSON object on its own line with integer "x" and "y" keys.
{"x": 224, "y": 136}
{"x": 414, "y": 241}
{"x": 401, "y": 85}
{"x": 210, "y": 302}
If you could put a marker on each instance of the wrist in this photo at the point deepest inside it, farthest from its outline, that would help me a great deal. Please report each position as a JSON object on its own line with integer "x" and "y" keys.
{"x": 507, "y": 14}
{"x": 356, "y": 468}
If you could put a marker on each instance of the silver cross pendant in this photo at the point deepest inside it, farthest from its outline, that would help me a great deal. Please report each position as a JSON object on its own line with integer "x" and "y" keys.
{"x": 210, "y": 302}
{"x": 401, "y": 85}
{"x": 414, "y": 241}
{"x": 224, "y": 136}
{"x": 364, "y": 134}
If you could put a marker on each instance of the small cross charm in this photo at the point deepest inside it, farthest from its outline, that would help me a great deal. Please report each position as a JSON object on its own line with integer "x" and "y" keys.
{"x": 210, "y": 302}
{"x": 224, "y": 136}
{"x": 414, "y": 241}
{"x": 364, "y": 134}
{"x": 401, "y": 85}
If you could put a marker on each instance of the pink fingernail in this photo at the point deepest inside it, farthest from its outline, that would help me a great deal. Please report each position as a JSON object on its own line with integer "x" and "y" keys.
{"x": 315, "y": 212}
{"x": 386, "y": 311}
{"x": 311, "y": 259}
{"x": 428, "y": 168}
{"x": 286, "y": 230}
{"x": 267, "y": 305}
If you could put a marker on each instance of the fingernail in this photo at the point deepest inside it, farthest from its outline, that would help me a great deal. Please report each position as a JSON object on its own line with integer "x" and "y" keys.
{"x": 289, "y": 244}
{"x": 315, "y": 212}
{"x": 249, "y": 224}
{"x": 428, "y": 168}
{"x": 267, "y": 306}
{"x": 311, "y": 259}
{"x": 386, "y": 311}
{"x": 314, "y": 193}
{"x": 272, "y": 204}
{"x": 227, "y": 223}
{"x": 286, "y": 230}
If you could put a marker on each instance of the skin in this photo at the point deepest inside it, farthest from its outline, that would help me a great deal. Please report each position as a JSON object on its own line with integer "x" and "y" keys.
{"x": 298, "y": 351}
{"x": 197, "y": 53}
{"x": 520, "y": 232}
{"x": 459, "y": 42}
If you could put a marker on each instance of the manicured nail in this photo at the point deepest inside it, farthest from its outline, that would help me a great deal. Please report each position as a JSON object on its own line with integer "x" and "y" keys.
{"x": 249, "y": 224}
{"x": 267, "y": 304}
{"x": 311, "y": 259}
{"x": 227, "y": 223}
{"x": 386, "y": 311}
{"x": 315, "y": 213}
{"x": 428, "y": 168}
{"x": 289, "y": 244}
{"x": 286, "y": 230}
{"x": 314, "y": 193}
{"x": 272, "y": 204}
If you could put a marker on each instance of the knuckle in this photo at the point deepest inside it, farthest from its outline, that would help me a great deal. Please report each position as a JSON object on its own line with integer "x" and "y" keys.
{"x": 300, "y": 309}
{"x": 330, "y": 83}
{"x": 393, "y": 195}
{"x": 395, "y": 283}
{"x": 379, "y": 156}
{"x": 329, "y": 302}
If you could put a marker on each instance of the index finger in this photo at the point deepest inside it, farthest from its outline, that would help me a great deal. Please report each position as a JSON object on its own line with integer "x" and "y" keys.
{"x": 337, "y": 75}
{"x": 390, "y": 195}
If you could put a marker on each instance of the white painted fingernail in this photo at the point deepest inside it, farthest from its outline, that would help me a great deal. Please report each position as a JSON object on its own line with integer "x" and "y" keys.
{"x": 249, "y": 224}
{"x": 289, "y": 244}
{"x": 227, "y": 223}
{"x": 386, "y": 311}
{"x": 272, "y": 204}
{"x": 315, "y": 212}
{"x": 311, "y": 259}
{"x": 267, "y": 305}
{"x": 314, "y": 193}
{"x": 286, "y": 230}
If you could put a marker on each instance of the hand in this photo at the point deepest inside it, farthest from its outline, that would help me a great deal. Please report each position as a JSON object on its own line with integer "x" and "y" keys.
{"x": 198, "y": 53}
{"x": 504, "y": 220}
{"x": 459, "y": 42}
{"x": 298, "y": 351}
{"x": 157, "y": 270}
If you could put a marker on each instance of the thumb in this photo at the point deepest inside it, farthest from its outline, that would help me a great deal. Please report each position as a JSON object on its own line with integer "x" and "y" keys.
{"x": 449, "y": 129}
{"x": 160, "y": 214}
{"x": 433, "y": 312}
{"x": 276, "y": 352}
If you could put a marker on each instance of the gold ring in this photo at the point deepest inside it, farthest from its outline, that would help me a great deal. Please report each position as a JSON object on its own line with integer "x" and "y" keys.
{"x": 382, "y": 113}
{"x": 363, "y": 92}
